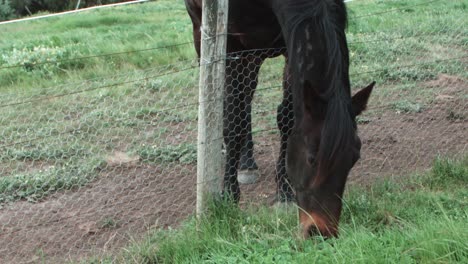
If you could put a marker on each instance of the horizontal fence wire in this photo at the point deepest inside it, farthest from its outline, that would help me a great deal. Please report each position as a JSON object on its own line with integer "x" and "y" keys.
{"x": 191, "y": 42}
{"x": 160, "y": 111}
{"x": 411, "y": 65}
{"x": 406, "y": 7}
{"x": 195, "y": 67}
{"x": 96, "y": 56}
{"x": 97, "y": 88}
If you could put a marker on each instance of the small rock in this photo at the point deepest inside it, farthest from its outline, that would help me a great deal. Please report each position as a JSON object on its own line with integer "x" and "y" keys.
{"x": 89, "y": 228}
{"x": 444, "y": 97}
{"x": 122, "y": 159}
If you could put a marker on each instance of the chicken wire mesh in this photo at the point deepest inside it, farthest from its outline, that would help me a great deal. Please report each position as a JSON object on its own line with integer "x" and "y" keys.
{"x": 87, "y": 167}
{"x": 91, "y": 165}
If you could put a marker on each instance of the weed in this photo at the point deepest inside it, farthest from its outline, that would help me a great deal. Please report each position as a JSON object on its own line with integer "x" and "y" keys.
{"x": 35, "y": 186}
{"x": 405, "y": 106}
{"x": 183, "y": 153}
{"x": 108, "y": 223}
{"x": 454, "y": 116}
{"x": 363, "y": 120}
{"x": 446, "y": 172}
{"x": 43, "y": 59}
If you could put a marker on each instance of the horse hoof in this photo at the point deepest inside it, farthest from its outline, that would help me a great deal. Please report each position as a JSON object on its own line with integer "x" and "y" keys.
{"x": 230, "y": 195}
{"x": 248, "y": 176}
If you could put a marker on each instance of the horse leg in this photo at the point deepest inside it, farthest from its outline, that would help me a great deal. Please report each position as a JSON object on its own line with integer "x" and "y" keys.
{"x": 195, "y": 14}
{"x": 248, "y": 171}
{"x": 241, "y": 80}
{"x": 285, "y": 121}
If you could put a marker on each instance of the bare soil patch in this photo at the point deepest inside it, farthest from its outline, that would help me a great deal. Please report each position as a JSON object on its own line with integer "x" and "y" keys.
{"x": 122, "y": 205}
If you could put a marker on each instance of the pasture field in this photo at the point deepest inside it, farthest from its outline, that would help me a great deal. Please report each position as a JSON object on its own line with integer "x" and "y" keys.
{"x": 81, "y": 101}
{"x": 98, "y": 120}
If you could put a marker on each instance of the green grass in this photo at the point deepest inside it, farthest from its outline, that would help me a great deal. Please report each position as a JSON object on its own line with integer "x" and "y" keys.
{"x": 92, "y": 33}
{"x": 422, "y": 220}
{"x": 415, "y": 35}
{"x": 37, "y": 185}
{"x": 405, "y": 106}
{"x": 59, "y": 109}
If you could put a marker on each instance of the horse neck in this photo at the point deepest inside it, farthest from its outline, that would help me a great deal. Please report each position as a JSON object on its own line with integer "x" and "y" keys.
{"x": 319, "y": 61}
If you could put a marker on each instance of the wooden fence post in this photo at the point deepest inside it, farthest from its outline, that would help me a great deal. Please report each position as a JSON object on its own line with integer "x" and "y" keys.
{"x": 210, "y": 112}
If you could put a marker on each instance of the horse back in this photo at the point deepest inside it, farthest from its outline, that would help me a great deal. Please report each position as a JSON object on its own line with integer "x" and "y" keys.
{"x": 251, "y": 24}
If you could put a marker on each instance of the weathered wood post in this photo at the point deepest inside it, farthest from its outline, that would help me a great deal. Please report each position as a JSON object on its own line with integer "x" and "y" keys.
{"x": 210, "y": 112}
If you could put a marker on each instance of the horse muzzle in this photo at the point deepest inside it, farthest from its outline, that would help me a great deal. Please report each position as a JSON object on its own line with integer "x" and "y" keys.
{"x": 314, "y": 224}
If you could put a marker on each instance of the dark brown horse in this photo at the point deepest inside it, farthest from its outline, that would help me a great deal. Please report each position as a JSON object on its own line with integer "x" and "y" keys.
{"x": 319, "y": 141}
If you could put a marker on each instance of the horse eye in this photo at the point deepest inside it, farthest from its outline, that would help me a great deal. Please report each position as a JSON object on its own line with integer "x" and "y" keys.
{"x": 311, "y": 156}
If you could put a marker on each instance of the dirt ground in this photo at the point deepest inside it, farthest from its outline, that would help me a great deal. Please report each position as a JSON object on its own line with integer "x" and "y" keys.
{"x": 130, "y": 198}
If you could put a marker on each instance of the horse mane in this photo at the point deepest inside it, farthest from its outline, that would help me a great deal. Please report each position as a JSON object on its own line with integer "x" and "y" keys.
{"x": 329, "y": 19}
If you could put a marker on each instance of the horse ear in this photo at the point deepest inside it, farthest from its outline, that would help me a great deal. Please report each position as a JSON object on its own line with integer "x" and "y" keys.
{"x": 360, "y": 99}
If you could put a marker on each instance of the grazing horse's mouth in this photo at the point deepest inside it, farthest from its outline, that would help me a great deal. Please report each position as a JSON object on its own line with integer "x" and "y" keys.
{"x": 313, "y": 224}
{"x": 316, "y": 224}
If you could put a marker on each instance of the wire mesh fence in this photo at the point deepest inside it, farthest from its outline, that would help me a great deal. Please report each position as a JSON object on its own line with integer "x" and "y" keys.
{"x": 86, "y": 167}
{"x": 93, "y": 160}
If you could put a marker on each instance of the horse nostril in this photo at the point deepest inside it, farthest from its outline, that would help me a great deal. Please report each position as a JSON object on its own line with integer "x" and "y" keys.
{"x": 312, "y": 231}
{"x": 319, "y": 230}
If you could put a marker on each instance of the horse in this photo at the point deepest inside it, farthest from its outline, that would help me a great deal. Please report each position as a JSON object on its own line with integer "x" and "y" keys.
{"x": 317, "y": 115}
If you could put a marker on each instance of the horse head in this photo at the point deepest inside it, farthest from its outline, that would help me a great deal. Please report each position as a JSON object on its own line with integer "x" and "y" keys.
{"x": 322, "y": 149}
